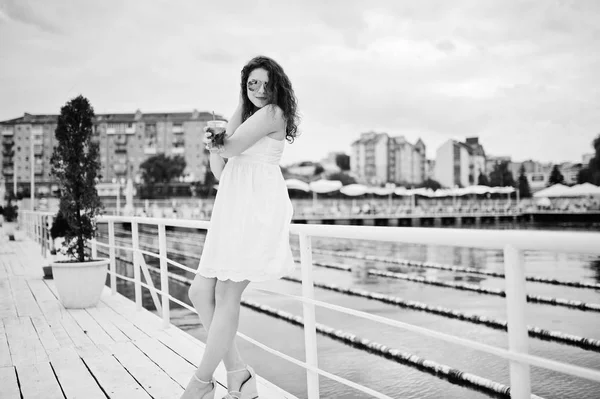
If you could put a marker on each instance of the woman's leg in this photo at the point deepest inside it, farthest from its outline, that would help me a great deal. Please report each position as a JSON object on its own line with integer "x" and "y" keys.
{"x": 202, "y": 295}
{"x": 223, "y": 327}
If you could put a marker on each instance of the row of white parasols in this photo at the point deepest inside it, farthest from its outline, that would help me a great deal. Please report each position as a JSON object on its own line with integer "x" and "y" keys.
{"x": 353, "y": 190}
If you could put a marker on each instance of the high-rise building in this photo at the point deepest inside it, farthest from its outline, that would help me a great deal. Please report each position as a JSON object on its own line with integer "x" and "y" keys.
{"x": 453, "y": 164}
{"x": 125, "y": 140}
{"x": 377, "y": 158}
{"x": 406, "y": 161}
{"x": 369, "y": 158}
{"x": 477, "y": 160}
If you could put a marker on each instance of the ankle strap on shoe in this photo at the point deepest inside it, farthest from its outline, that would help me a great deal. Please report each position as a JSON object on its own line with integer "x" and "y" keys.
{"x": 203, "y": 382}
{"x": 237, "y": 371}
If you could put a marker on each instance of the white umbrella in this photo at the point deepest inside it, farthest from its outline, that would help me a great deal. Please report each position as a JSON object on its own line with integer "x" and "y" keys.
{"x": 381, "y": 190}
{"x": 557, "y": 190}
{"x": 503, "y": 190}
{"x": 583, "y": 190}
{"x": 401, "y": 191}
{"x": 297, "y": 185}
{"x": 478, "y": 189}
{"x": 543, "y": 202}
{"x": 325, "y": 186}
{"x": 353, "y": 190}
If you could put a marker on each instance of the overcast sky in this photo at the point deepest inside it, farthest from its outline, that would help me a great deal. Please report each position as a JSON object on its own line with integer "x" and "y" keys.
{"x": 521, "y": 75}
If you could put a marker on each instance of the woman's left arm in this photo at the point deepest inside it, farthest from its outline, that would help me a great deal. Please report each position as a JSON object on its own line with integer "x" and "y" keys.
{"x": 266, "y": 120}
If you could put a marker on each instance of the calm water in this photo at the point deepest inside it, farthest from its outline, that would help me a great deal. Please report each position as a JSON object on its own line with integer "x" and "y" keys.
{"x": 391, "y": 378}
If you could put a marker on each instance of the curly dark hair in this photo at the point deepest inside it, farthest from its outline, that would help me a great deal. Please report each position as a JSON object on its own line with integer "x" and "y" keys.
{"x": 281, "y": 93}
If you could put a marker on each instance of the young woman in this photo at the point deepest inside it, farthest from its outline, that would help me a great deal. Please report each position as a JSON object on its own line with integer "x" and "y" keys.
{"x": 248, "y": 238}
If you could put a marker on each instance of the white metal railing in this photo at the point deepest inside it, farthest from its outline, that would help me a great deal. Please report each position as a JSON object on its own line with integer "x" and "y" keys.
{"x": 513, "y": 243}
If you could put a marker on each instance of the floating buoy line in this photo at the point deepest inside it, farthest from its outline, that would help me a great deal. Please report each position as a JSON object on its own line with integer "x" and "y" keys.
{"x": 567, "y": 303}
{"x": 460, "y": 269}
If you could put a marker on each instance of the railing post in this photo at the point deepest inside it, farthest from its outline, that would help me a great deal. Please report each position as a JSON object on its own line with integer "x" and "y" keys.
{"x": 111, "y": 255}
{"x": 516, "y": 301}
{"x": 94, "y": 249}
{"x": 164, "y": 274}
{"x": 135, "y": 242}
{"x": 310, "y": 332}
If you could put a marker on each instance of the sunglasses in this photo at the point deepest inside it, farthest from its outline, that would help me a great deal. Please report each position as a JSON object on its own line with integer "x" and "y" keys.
{"x": 255, "y": 84}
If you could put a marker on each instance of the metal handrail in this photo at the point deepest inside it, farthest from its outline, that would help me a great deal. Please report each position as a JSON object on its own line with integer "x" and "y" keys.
{"x": 513, "y": 243}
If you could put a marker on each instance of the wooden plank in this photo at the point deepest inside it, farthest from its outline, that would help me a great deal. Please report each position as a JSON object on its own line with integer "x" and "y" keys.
{"x": 23, "y": 342}
{"x": 103, "y": 319}
{"x": 15, "y": 265}
{"x": 40, "y": 290}
{"x": 143, "y": 319}
{"x": 5, "y": 357}
{"x": 52, "y": 312}
{"x": 123, "y": 324}
{"x": 7, "y": 303}
{"x": 77, "y": 335}
{"x": 114, "y": 379}
{"x": 45, "y": 334}
{"x": 154, "y": 380}
{"x": 9, "y": 387}
{"x": 39, "y": 382}
{"x": 173, "y": 364}
{"x": 24, "y": 299}
{"x": 73, "y": 376}
{"x": 91, "y": 328}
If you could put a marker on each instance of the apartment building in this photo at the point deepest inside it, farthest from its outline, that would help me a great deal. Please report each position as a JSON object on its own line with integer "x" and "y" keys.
{"x": 377, "y": 158}
{"x": 369, "y": 158}
{"x": 126, "y": 140}
{"x": 453, "y": 166}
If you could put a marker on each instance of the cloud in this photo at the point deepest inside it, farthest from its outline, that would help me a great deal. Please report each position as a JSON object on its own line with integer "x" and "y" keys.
{"x": 23, "y": 11}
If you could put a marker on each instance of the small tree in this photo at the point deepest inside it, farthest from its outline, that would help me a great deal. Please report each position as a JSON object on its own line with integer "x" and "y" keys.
{"x": 483, "y": 179}
{"x": 501, "y": 176}
{"x": 523, "y": 184}
{"x": 76, "y": 166}
{"x": 345, "y": 178}
{"x": 342, "y": 161}
{"x": 555, "y": 177}
{"x": 591, "y": 172}
{"x": 162, "y": 169}
{"x": 432, "y": 184}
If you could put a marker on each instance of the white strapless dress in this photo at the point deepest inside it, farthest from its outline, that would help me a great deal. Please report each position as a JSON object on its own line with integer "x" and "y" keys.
{"x": 248, "y": 237}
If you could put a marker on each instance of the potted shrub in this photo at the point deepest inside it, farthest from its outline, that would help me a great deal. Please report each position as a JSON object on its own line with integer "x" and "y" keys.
{"x": 10, "y": 213}
{"x": 76, "y": 165}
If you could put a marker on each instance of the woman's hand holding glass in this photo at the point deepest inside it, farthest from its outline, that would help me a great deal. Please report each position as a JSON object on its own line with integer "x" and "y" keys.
{"x": 214, "y": 139}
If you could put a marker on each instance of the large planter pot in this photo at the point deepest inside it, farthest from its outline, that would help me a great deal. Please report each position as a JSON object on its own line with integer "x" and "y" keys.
{"x": 10, "y": 228}
{"x": 79, "y": 285}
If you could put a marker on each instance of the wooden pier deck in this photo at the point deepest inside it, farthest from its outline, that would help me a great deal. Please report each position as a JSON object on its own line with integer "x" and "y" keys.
{"x": 112, "y": 350}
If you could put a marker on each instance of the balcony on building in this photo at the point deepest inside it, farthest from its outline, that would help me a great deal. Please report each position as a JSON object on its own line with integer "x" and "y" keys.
{"x": 150, "y": 150}
{"x": 8, "y": 140}
{"x": 8, "y": 171}
{"x": 130, "y": 128}
{"x": 38, "y": 149}
{"x": 8, "y": 131}
{"x": 38, "y": 169}
{"x": 121, "y": 148}
{"x": 178, "y": 128}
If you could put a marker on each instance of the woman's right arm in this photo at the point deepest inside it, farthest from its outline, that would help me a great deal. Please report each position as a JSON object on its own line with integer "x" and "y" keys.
{"x": 217, "y": 163}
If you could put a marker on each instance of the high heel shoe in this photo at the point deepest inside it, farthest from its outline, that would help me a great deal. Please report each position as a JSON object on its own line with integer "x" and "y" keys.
{"x": 248, "y": 389}
{"x": 207, "y": 395}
